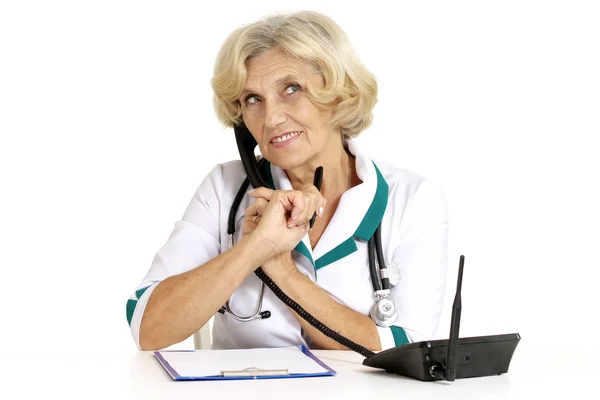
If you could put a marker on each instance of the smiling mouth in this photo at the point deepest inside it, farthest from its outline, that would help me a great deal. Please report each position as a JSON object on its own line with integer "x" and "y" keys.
{"x": 285, "y": 138}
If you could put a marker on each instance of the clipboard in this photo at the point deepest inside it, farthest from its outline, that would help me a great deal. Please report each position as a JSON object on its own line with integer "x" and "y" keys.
{"x": 242, "y": 364}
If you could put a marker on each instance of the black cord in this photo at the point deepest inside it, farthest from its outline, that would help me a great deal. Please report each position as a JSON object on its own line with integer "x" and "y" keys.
{"x": 236, "y": 203}
{"x": 309, "y": 318}
{"x": 238, "y": 200}
{"x": 385, "y": 282}
{"x": 372, "y": 267}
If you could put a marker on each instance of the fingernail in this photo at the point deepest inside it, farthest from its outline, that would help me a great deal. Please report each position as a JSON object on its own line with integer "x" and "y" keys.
{"x": 250, "y": 191}
{"x": 291, "y": 225}
{"x": 295, "y": 216}
{"x": 320, "y": 212}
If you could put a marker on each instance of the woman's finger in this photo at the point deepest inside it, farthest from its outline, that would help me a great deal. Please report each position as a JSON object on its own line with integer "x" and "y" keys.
{"x": 299, "y": 204}
{"x": 318, "y": 201}
{"x": 260, "y": 205}
{"x": 321, "y": 204}
{"x": 256, "y": 208}
{"x": 315, "y": 204}
{"x": 263, "y": 192}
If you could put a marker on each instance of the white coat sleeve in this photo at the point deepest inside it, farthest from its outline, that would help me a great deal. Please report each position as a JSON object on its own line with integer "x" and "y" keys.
{"x": 422, "y": 260}
{"x": 195, "y": 240}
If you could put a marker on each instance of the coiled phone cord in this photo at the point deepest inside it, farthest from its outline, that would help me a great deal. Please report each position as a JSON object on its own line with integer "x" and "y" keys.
{"x": 309, "y": 318}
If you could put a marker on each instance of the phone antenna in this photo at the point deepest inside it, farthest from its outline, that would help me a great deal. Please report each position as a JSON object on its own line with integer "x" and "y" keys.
{"x": 450, "y": 373}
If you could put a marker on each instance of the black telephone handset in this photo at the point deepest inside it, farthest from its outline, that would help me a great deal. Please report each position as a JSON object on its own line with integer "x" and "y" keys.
{"x": 246, "y": 145}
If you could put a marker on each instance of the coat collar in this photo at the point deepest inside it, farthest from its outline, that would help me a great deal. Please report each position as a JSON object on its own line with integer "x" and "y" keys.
{"x": 359, "y": 212}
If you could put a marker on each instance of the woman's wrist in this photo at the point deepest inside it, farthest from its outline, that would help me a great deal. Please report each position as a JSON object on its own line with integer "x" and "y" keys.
{"x": 260, "y": 249}
{"x": 280, "y": 266}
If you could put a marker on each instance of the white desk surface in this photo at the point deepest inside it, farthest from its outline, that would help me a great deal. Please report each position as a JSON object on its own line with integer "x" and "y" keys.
{"x": 138, "y": 375}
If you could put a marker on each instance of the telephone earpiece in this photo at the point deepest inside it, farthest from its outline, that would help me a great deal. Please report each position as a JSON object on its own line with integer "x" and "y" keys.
{"x": 246, "y": 145}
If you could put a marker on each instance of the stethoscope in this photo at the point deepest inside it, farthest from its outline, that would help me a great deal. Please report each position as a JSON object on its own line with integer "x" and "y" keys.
{"x": 383, "y": 311}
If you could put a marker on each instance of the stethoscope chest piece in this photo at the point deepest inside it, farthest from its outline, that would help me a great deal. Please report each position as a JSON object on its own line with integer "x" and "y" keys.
{"x": 384, "y": 311}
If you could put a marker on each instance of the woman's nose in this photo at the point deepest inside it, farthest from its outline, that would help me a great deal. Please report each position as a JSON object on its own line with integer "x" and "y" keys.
{"x": 275, "y": 114}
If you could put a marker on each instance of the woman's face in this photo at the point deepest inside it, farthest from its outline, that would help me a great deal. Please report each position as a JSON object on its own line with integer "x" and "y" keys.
{"x": 289, "y": 129}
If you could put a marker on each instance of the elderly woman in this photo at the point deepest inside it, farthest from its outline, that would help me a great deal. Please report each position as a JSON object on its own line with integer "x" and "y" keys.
{"x": 295, "y": 83}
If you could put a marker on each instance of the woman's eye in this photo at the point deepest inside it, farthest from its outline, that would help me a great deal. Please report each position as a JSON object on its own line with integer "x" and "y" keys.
{"x": 251, "y": 100}
{"x": 292, "y": 89}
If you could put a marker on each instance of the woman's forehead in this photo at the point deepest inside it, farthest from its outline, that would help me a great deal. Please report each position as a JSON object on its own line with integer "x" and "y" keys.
{"x": 273, "y": 67}
{"x": 271, "y": 62}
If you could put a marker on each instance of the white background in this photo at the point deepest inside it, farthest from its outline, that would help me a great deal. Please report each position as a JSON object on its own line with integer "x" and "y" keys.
{"x": 107, "y": 128}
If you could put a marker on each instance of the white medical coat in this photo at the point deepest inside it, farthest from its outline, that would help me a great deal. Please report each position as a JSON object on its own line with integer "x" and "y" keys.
{"x": 414, "y": 228}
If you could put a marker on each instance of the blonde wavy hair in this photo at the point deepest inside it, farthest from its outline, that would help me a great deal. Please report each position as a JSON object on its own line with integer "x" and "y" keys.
{"x": 350, "y": 90}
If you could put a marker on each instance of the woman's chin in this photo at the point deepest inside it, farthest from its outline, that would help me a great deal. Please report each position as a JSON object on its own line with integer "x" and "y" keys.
{"x": 287, "y": 157}
{"x": 287, "y": 161}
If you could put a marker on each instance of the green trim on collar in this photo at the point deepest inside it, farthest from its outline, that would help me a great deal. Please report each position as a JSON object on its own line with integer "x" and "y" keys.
{"x": 301, "y": 248}
{"x": 367, "y": 227}
{"x": 345, "y": 248}
{"x": 399, "y": 335}
{"x": 375, "y": 212}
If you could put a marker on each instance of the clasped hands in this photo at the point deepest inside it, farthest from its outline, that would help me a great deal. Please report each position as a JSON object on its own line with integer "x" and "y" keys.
{"x": 280, "y": 219}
